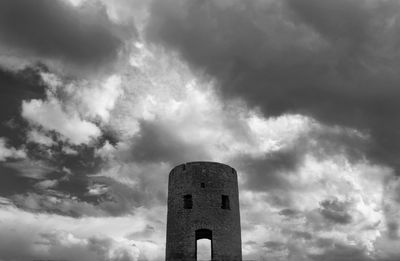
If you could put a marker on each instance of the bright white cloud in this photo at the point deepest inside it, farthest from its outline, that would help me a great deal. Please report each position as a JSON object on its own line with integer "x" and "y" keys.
{"x": 360, "y": 184}
{"x": 51, "y": 116}
{"x": 76, "y": 2}
{"x": 71, "y": 107}
{"x": 161, "y": 89}
{"x": 95, "y": 99}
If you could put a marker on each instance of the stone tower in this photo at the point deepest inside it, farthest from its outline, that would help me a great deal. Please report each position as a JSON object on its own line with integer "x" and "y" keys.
{"x": 203, "y": 202}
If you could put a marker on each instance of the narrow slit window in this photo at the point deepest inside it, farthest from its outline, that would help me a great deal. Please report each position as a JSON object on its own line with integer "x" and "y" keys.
{"x": 225, "y": 202}
{"x": 202, "y": 184}
{"x": 187, "y": 202}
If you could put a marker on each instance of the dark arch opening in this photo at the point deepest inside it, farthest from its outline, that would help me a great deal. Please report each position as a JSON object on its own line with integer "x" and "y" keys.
{"x": 204, "y": 234}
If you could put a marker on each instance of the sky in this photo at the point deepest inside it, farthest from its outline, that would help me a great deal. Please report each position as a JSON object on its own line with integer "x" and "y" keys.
{"x": 101, "y": 99}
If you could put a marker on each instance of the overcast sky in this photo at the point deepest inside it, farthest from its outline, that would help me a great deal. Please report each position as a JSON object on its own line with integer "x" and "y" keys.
{"x": 100, "y": 99}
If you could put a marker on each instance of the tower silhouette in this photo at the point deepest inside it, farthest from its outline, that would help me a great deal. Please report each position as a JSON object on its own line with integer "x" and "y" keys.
{"x": 203, "y": 202}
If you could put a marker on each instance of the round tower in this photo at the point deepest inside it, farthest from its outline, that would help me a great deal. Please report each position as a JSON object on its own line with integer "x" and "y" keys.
{"x": 203, "y": 202}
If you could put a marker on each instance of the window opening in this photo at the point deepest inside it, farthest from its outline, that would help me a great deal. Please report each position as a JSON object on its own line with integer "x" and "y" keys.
{"x": 202, "y": 185}
{"x": 225, "y": 202}
{"x": 187, "y": 202}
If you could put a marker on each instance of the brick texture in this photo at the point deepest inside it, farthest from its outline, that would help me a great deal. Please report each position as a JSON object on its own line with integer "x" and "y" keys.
{"x": 206, "y": 212}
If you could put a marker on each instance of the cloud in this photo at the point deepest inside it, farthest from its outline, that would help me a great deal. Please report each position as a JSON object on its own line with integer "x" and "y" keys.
{"x": 97, "y": 189}
{"x": 392, "y": 207}
{"x": 341, "y": 20}
{"x": 112, "y": 192}
{"x": 387, "y": 248}
{"x": 70, "y": 109}
{"x": 102, "y": 100}
{"x": 16, "y": 86}
{"x": 274, "y": 245}
{"x": 39, "y": 138}
{"x": 34, "y": 169}
{"x": 156, "y": 142}
{"x": 273, "y": 165}
{"x": 51, "y": 116}
{"x": 335, "y": 211}
{"x": 82, "y": 36}
{"x": 324, "y": 197}
{"x": 107, "y": 150}
{"x": 287, "y": 212}
{"x": 94, "y": 98}
{"x": 301, "y": 234}
{"x": 57, "y": 237}
{"x": 65, "y": 245}
{"x": 58, "y": 203}
{"x": 300, "y": 164}
{"x": 343, "y": 252}
{"x": 330, "y": 61}
{"x": 45, "y": 184}
{"x": 10, "y": 153}
{"x": 134, "y": 184}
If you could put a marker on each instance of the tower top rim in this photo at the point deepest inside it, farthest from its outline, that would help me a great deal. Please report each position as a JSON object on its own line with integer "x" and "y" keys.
{"x": 202, "y": 163}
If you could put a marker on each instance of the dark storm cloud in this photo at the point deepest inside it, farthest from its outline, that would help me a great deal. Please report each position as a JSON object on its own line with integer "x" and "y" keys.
{"x": 274, "y": 246}
{"x": 289, "y": 213}
{"x": 157, "y": 143}
{"x": 55, "y": 29}
{"x": 336, "y": 211}
{"x": 333, "y": 60}
{"x": 121, "y": 199}
{"x": 15, "y": 87}
{"x": 302, "y": 234}
{"x": 393, "y": 230}
{"x": 337, "y": 20}
{"x": 11, "y": 182}
{"x": 270, "y": 171}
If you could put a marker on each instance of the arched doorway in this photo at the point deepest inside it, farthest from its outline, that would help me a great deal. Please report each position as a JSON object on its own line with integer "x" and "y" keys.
{"x": 204, "y": 246}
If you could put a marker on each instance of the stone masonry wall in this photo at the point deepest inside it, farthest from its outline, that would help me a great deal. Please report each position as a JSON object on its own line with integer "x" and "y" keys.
{"x": 206, "y": 213}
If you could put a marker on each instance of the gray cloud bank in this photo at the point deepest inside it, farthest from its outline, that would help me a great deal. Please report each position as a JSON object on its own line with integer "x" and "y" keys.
{"x": 333, "y": 60}
{"x": 57, "y": 30}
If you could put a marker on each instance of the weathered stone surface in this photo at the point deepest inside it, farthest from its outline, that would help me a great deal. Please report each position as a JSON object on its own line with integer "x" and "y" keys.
{"x": 206, "y": 216}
